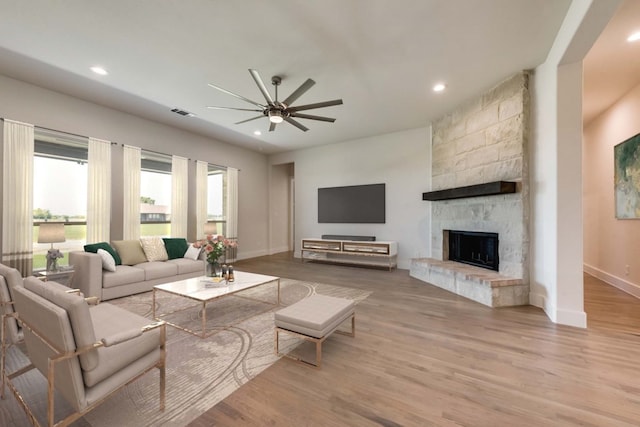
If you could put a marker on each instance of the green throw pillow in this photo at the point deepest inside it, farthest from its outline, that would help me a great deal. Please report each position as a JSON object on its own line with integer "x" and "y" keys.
{"x": 176, "y": 247}
{"x": 107, "y": 247}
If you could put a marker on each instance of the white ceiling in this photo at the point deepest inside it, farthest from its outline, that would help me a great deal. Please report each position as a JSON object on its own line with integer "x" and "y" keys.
{"x": 612, "y": 66}
{"x": 380, "y": 56}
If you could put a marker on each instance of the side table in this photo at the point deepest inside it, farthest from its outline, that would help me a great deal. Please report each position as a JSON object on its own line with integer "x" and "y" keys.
{"x": 64, "y": 275}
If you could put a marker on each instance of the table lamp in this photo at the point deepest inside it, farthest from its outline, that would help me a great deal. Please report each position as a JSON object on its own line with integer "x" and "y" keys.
{"x": 51, "y": 232}
{"x": 210, "y": 228}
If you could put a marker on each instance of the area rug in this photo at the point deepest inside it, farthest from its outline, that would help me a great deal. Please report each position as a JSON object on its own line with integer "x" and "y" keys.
{"x": 202, "y": 372}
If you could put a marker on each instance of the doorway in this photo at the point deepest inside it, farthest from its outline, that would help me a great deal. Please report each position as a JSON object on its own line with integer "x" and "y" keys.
{"x": 282, "y": 208}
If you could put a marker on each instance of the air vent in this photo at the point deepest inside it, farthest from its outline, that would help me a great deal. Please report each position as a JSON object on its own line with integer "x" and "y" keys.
{"x": 182, "y": 112}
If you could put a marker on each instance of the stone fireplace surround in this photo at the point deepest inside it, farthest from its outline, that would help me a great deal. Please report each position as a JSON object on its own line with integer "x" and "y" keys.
{"x": 505, "y": 287}
{"x": 482, "y": 142}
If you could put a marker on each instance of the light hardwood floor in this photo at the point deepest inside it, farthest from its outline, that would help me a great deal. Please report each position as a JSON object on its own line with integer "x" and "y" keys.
{"x": 425, "y": 357}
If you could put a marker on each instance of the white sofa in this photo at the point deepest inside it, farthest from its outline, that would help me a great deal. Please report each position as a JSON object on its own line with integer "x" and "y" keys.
{"x": 93, "y": 280}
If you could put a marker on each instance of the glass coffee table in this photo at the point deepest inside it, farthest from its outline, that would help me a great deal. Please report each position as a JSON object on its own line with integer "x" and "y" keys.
{"x": 204, "y": 290}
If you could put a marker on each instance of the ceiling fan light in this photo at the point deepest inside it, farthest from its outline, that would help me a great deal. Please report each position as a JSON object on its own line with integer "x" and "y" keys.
{"x": 275, "y": 116}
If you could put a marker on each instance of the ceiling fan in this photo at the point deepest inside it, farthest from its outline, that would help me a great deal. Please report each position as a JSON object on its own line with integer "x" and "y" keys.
{"x": 279, "y": 111}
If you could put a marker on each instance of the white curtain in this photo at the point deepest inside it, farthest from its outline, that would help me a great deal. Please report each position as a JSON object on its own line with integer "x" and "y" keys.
{"x": 232, "y": 202}
{"x": 131, "y": 193}
{"x": 17, "y": 196}
{"x": 202, "y": 182}
{"x": 179, "y": 196}
{"x": 99, "y": 191}
{"x": 232, "y": 208}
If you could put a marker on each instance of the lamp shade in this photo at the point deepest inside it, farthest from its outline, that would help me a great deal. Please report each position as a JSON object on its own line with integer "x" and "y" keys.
{"x": 51, "y": 232}
{"x": 210, "y": 228}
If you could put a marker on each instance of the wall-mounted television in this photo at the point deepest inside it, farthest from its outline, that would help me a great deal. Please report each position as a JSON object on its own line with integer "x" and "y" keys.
{"x": 355, "y": 204}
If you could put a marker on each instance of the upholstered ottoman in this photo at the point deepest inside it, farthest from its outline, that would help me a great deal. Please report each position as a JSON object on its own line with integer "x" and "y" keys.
{"x": 313, "y": 319}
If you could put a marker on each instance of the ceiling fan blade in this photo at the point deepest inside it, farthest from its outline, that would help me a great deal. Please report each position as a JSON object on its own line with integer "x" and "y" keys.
{"x": 316, "y": 105}
{"x": 309, "y": 116}
{"x": 296, "y": 124}
{"x": 272, "y": 126}
{"x": 261, "y": 86}
{"x": 248, "y": 120}
{"x": 236, "y": 95}
{"x": 231, "y": 108}
{"x": 298, "y": 92}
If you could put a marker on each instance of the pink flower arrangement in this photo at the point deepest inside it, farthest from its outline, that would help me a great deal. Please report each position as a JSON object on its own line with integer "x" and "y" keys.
{"x": 215, "y": 246}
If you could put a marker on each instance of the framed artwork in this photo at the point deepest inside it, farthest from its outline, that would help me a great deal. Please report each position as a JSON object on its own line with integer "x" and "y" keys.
{"x": 627, "y": 178}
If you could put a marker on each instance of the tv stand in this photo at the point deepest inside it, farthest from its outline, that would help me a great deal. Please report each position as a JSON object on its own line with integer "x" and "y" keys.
{"x": 370, "y": 254}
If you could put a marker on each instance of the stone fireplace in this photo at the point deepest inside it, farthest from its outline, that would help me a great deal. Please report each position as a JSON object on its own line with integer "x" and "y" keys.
{"x": 482, "y": 143}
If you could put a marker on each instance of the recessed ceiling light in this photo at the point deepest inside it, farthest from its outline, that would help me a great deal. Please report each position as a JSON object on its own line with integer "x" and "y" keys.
{"x": 634, "y": 37}
{"x": 257, "y": 132}
{"x": 439, "y": 87}
{"x": 99, "y": 70}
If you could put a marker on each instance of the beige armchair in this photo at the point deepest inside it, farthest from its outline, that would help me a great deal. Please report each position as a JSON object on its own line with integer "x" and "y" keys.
{"x": 10, "y": 278}
{"x": 86, "y": 352}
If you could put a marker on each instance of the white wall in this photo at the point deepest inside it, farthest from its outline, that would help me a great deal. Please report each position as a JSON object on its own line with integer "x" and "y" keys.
{"x": 610, "y": 244}
{"x": 556, "y": 176}
{"x": 401, "y": 160}
{"x": 46, "y": 108}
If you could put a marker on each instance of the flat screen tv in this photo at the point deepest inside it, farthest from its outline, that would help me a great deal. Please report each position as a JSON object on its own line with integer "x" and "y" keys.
{"x": 355, "y": 204}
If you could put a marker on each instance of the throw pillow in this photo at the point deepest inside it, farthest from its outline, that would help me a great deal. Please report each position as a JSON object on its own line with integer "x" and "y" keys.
{"x": 176, "y": 247}
{"x": 130, "y": 251}
{"x": 103, "y": 245}
{"x": 192, "y": 253}
{"x": 153, "y": 248}
{"x": 108, "y": 263}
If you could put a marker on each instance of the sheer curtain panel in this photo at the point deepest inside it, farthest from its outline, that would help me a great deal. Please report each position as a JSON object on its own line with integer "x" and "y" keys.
{"x": 232, "y": 200}
{"x": 99, "y": 191}
{"x": 202, "y": 173}
{"x": 17, "y": 196}
{"x": 179, "y": 196}
{"x": 131, "y": 193}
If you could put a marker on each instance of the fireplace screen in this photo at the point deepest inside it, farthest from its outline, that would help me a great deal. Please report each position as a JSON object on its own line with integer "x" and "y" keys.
{"x": 475, "y": 248}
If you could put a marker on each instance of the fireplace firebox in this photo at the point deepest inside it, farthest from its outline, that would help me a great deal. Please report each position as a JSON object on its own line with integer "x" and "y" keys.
{"x": 474, "y": 248}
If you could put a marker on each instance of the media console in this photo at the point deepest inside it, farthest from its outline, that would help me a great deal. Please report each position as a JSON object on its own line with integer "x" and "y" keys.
{"x": 373, "y": 254}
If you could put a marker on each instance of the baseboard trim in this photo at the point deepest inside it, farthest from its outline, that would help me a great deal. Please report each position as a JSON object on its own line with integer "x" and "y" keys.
{"x": 279, "y": 250}
{"x": 537, "y": 300}
{"x": 252, "y": 254}
{"x": 576, "y": 319}
{"x": 617, "y": 282}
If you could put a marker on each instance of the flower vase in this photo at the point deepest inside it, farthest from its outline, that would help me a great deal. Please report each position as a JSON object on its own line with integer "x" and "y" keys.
{"x": 213, "y": 269}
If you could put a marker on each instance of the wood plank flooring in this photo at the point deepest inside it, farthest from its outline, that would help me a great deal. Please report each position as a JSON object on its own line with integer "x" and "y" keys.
{"x": 425, "y": 357}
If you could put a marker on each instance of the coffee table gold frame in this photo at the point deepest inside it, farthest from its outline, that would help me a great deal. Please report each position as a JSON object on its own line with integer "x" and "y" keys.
{"x": 194, "y": 289}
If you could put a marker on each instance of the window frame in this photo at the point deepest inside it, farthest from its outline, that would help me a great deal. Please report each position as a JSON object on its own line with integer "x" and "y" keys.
{"x": 221, "y": 223}
{"x": 63, "y": 146}
{"x": 155, "y": 162}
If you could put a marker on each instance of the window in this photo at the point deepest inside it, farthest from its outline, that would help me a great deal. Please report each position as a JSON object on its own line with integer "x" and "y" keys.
{"x": 155, "y": 194}
{"x": 216, "y": 197}
{"x": 59, "y": 191}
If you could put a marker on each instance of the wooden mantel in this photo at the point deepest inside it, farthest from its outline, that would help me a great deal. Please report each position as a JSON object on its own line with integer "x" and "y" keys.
{"x": 487, "y": 189}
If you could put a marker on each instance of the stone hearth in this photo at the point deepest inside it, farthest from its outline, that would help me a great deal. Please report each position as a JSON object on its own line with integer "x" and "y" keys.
{"x": 478, "y": 284}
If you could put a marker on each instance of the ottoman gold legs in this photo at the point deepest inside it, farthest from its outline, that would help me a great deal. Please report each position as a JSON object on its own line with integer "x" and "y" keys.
{"x": 318, "y": 341}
